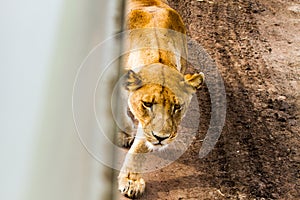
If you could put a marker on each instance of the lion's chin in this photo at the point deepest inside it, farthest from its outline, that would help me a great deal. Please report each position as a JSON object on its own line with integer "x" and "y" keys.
{"x": 156, "y": 147}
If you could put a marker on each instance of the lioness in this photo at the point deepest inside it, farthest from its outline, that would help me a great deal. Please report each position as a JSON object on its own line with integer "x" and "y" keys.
{"x": 158, "y": 91}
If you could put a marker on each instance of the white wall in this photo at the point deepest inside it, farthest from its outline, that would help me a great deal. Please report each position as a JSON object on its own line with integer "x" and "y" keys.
{"x": 42, "y": 44}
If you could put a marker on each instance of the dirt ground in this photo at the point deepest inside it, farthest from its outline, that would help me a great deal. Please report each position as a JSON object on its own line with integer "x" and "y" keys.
{"x": 256, "y": 46}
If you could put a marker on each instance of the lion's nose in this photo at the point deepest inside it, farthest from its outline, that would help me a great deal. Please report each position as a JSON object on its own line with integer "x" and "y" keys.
{"x": 159, "y": 138}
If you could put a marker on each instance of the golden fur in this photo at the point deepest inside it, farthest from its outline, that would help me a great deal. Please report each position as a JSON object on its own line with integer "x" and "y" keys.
{"x": 158, "y": 91}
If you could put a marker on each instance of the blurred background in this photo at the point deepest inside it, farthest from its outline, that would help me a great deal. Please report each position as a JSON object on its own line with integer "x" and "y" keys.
{"x": 42, "y": 46}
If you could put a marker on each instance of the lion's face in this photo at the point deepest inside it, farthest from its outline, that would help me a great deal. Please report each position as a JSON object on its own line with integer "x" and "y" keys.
{"x": 159, "y": 105}
{"x": 158, "y": 111}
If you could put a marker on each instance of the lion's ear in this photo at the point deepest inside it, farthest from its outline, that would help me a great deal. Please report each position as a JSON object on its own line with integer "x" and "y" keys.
{"x": 132, "y": 81}
{"x": 194, "y": 80}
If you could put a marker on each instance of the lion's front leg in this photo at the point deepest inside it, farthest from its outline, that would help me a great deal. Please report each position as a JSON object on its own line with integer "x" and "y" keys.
{"x": 131, "y": 184}
{"x": 127, "y": 129}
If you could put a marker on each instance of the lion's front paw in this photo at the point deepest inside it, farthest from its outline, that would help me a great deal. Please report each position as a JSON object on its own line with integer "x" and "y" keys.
{"x": 132, "y": 188}
{"x": 124, "y": 139}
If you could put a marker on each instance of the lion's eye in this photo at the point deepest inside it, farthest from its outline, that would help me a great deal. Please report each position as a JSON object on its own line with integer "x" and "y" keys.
{"x": 147, "y": 104}
{"x": 177, "y": 107}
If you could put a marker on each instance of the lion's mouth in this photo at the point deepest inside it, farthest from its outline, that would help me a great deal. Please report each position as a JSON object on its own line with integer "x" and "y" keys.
{"x": 159, "y": 139}
{"x": 156, "y": 146}
{"x": 158, "y": 143}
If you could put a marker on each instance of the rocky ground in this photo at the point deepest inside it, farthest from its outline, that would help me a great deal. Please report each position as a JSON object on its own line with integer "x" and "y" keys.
{"x": 256, "y": 47}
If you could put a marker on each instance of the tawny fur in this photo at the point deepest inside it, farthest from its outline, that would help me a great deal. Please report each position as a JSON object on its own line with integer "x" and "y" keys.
{"x": 158, "y": 91}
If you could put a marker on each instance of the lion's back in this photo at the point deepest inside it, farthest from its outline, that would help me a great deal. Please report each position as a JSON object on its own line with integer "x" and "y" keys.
{"x": 154, "y": 16}
{"x": 159, "y": 36}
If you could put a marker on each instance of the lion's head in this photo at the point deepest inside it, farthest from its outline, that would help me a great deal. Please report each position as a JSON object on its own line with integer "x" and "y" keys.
{"x": 158, "y": 98}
